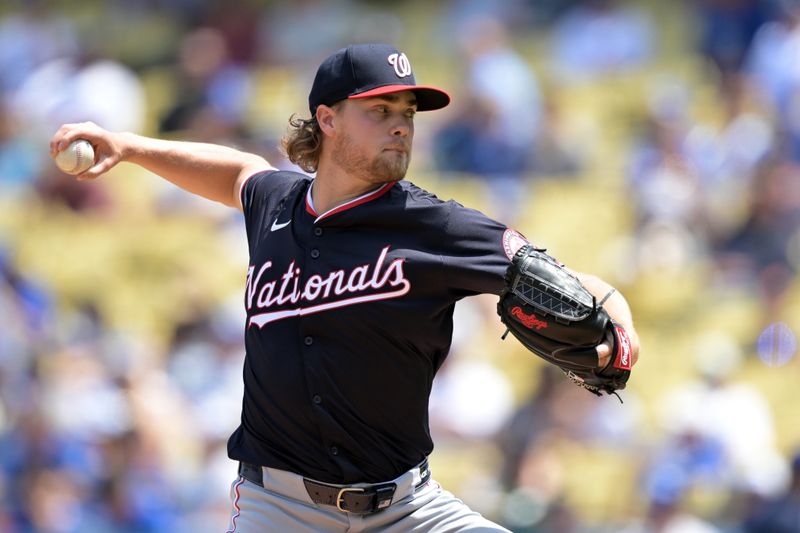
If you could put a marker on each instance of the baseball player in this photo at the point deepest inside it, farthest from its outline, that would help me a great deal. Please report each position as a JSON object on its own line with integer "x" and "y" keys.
{"x": 350, "y": 291}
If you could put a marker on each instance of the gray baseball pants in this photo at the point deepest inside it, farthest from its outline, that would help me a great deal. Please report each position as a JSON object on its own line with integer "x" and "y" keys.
{"x": 283, "y": 505}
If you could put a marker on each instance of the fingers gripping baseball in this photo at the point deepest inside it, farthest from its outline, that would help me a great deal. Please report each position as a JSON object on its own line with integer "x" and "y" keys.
{"x": 107, "y": 146}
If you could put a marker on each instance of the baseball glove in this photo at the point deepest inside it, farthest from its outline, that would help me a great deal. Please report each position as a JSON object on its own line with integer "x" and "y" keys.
{"x": 553, "y": 315}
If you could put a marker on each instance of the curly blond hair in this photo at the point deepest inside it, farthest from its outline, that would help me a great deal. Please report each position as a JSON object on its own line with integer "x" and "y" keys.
{"x": 303, "y": 143}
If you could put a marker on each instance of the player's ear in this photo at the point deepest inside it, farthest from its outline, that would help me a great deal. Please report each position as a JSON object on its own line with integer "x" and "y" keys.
{"x": 326, "y": 119}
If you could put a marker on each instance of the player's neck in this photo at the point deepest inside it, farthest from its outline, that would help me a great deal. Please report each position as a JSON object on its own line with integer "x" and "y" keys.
{"x": 331, "y": 190}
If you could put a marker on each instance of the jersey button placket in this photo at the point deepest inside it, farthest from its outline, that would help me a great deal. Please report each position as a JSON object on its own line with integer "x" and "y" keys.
{"x": 318, "y": 231}
{"x": 314, "y": 253}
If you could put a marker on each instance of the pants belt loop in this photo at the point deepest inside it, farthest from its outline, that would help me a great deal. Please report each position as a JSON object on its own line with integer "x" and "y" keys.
{"x": 252, "y": 473}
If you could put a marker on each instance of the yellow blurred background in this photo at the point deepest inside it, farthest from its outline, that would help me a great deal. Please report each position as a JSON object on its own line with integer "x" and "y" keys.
{"x": 655, "y": 144}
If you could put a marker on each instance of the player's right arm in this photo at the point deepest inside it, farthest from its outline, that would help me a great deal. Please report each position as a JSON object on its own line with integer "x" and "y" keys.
{"x": 209, "y": 170}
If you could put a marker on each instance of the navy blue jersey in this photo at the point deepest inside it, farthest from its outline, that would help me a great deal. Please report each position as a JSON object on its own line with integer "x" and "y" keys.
{"x": 349, "y": 316}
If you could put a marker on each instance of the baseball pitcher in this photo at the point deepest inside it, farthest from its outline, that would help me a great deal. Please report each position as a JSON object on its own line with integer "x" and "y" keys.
{"x": 351, "y": 286}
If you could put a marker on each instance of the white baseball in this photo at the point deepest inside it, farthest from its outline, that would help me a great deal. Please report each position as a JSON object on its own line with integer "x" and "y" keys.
{"x": 76, "y": 158}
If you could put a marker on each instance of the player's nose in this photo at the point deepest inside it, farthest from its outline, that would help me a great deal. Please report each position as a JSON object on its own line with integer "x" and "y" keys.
{"x": 400, "y": 131}
{"x": 402, "y": 128}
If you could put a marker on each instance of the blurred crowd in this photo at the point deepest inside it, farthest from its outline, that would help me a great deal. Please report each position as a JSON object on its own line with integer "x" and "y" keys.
{"x": 121, "y": 344}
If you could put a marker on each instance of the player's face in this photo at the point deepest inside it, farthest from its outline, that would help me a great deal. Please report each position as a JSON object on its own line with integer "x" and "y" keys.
{"x": 374, "y": 143}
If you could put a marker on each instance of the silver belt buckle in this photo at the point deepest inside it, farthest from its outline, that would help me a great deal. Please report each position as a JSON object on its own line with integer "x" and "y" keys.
{"x": 340, "y": 496}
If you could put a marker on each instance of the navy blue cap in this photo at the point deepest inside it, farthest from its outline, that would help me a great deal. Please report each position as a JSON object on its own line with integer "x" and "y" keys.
{"x": 364, "y": 70}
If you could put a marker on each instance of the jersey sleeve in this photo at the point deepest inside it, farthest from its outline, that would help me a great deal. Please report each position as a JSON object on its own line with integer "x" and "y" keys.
{"x": 479, "y": 250}
{"x": 261, "y": 194}
{"x": 256, "y": 191}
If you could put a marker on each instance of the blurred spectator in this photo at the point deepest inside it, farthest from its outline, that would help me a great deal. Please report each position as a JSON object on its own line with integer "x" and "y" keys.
{"x": 32, "y": 301}
{"x": 667, "y": 190}
{"x": 212, "y": 98}
{"x": 141, "y": 490}
{"x": 34, "y": 452}
{"x": 665, "y": 183}
{"x": 727, "y": 28}
{"x": 517, "y": 15}
{"x": 758, "y": 250}
{"x": 455, "y": 409}
{"x": 726, "y": 157}
{"x": 55, "y": 188}
{"x": 729, "y": 444}
{"x": 495, "y": 126}
{"x": 528, "y": 425}
{"x": 665, "y": 512}
{"x": 780, "y": 514}
{"x": 597, "y": 38}
{"x": 31, "y": 35}
{"x": 205, "y": 364}
{"x": 771, "y": 62}
{"x": 213, "y": 91}
{"x": 691, "y": 180}
{"x": 20, "y": 157}
{"x": 118, "y": 106}
{"x": 238, "y": 23}
{"x": 774, "y": 70}
{"x": 502, "y": 79}
{"x": 536, "y": 504}
{"x": 532, "y": 473}
{"x": 557, "y": 150}
{"x": 281, "y": 23}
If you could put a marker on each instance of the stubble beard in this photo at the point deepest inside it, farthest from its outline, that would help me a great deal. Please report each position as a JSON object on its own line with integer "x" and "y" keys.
{"x": 383, "y": 168}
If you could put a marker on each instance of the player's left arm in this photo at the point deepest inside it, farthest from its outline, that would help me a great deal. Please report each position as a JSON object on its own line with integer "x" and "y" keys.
{"x": 617, "y": 308}
{"x": 480, "y": 262}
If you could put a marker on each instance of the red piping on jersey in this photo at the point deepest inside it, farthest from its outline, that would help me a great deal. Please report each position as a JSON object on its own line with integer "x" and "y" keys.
{"x": 383, "y": 189}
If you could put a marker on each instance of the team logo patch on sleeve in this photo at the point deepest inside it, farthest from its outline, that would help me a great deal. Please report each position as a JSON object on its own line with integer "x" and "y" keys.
{"x": 513, "y": 241}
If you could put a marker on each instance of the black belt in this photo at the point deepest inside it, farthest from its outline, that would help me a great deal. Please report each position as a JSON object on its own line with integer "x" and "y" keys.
{"x": 353, "y": 499}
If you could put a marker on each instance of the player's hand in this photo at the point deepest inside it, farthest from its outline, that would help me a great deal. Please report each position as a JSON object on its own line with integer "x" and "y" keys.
{"x": 108, "y": 146}
{"x": 604, "y": 351}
